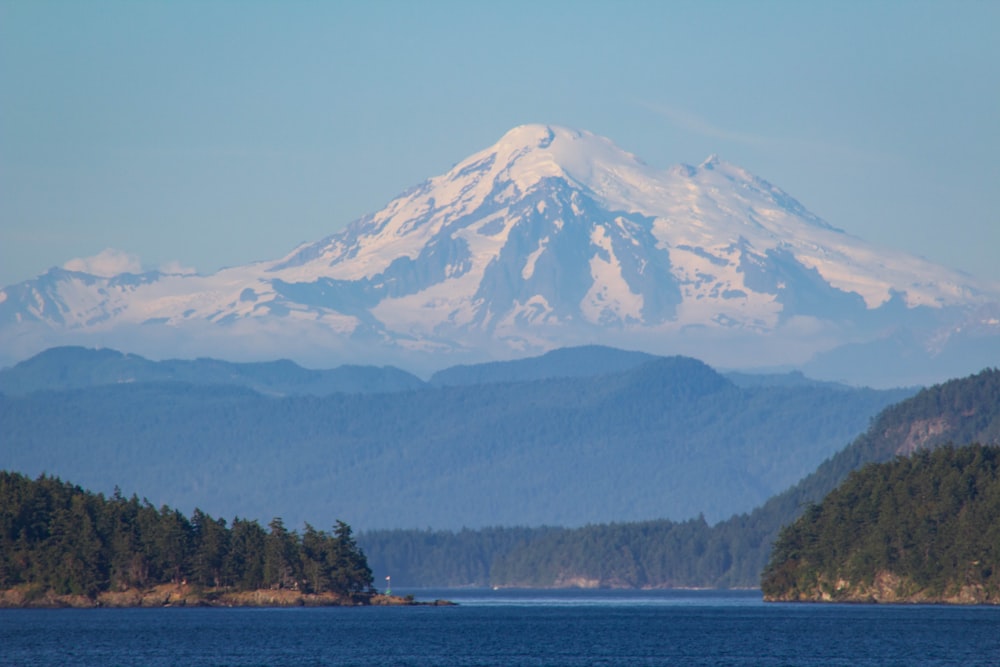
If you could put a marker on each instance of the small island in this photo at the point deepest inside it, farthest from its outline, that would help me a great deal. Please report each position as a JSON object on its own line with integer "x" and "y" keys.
{"x": 62, "y": 546}
{"x": 919, "y": 529}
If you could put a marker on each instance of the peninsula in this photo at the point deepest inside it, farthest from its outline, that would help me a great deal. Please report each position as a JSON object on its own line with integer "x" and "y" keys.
{"x": 62, "y": 546}
{"x": 919, "y": 529}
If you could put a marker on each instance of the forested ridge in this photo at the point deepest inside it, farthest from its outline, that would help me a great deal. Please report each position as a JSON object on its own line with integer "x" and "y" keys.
{"x": 58, "y": 538}
{"x": 670, "y": 438}
{"x": 920, "y": 528}
{"x": 467, "y": 448}
{"x": 730, "y": 553}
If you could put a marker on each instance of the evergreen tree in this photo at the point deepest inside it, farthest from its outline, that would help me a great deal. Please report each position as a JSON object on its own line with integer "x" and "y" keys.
{"x": 349, "y": 571}
{"x": 280, "y": 556}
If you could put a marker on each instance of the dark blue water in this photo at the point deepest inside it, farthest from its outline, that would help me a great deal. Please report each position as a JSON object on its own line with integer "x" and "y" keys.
{"x": 513, "y": 628}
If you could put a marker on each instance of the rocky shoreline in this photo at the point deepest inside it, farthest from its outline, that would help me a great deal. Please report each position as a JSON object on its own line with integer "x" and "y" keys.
{"x": 886, "y": 588}
{"x": 185, "y": 595}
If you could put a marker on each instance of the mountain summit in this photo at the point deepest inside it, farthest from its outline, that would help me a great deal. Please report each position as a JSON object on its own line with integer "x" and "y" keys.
{"x": 550, "y": 237}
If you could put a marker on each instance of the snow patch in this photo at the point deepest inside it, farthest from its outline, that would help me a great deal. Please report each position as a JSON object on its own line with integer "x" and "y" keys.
{"x": 529, "y": 265}
{"x": 609, "y": 298}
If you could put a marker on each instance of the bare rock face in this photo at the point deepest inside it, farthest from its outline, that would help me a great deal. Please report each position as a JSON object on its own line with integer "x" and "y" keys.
{"x": 886, "y": 588}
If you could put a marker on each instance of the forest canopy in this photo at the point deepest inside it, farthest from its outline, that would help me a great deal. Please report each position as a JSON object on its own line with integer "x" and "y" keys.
{"x": 60, "y": 538}
{"x": 923, "y": 528}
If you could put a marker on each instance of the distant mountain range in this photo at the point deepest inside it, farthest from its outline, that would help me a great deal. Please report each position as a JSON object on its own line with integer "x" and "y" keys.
{"x": 75, "y": 367}
{"x": 64, "y": 368}
{"x": 549, "y": 238}
{"x": 574, "y": 436}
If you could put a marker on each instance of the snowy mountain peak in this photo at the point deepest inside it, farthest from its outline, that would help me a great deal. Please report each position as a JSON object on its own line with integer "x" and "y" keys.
{"x": 527, "y": 137}
{"x": 549, "y": 237}
{"x": 564, "y": 145}
{"x": 483, "y": 185}
{"x": 530, "y": 153}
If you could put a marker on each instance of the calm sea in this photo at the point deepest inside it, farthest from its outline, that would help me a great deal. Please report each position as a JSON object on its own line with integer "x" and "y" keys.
{"x": 513, "y": 628}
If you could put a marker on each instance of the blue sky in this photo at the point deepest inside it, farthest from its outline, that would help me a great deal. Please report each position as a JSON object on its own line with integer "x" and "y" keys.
{"x": 209, "y": 134}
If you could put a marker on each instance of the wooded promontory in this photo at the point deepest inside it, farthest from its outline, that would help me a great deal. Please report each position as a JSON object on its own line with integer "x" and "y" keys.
{"x": 62, "y": 545}
{"x": 924, "y": 528}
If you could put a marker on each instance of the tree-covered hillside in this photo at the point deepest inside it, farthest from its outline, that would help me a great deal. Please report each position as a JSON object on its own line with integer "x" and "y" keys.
{"x": 731, "y": 553}
{"x": 582, "y": 361}
{"x": 670, "y": 438}
{"x": 56, "y": 537}
{"x": 49, "y": 526}
{"x": 923, "y": 528}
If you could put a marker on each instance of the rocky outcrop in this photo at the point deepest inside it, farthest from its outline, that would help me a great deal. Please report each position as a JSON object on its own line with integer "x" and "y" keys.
{"x": 885, "y": 588}
{"x": 185, "y": 595}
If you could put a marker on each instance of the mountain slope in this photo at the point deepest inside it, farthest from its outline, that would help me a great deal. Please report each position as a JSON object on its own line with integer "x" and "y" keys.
{"x": 668, "y": 438}
{"x": 732, "y": 553}
{"x": 960, "y": 411}
{"x": 581, "y": 361}
{"x": 549, "y": 238}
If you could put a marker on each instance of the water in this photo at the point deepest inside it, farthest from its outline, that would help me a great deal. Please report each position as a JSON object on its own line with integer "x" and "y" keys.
{"x": 513, "y": 628}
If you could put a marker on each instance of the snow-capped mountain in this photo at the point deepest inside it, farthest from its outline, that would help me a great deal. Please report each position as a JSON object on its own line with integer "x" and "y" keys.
{"x": 548, "y": 238}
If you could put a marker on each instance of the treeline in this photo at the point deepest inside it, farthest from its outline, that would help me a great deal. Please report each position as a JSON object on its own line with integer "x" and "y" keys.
{"x": 729, "y": 554}
{"x": 648, "y": 554}
{"x": 58, "y": 537}
{"x": 928, "y": 525}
